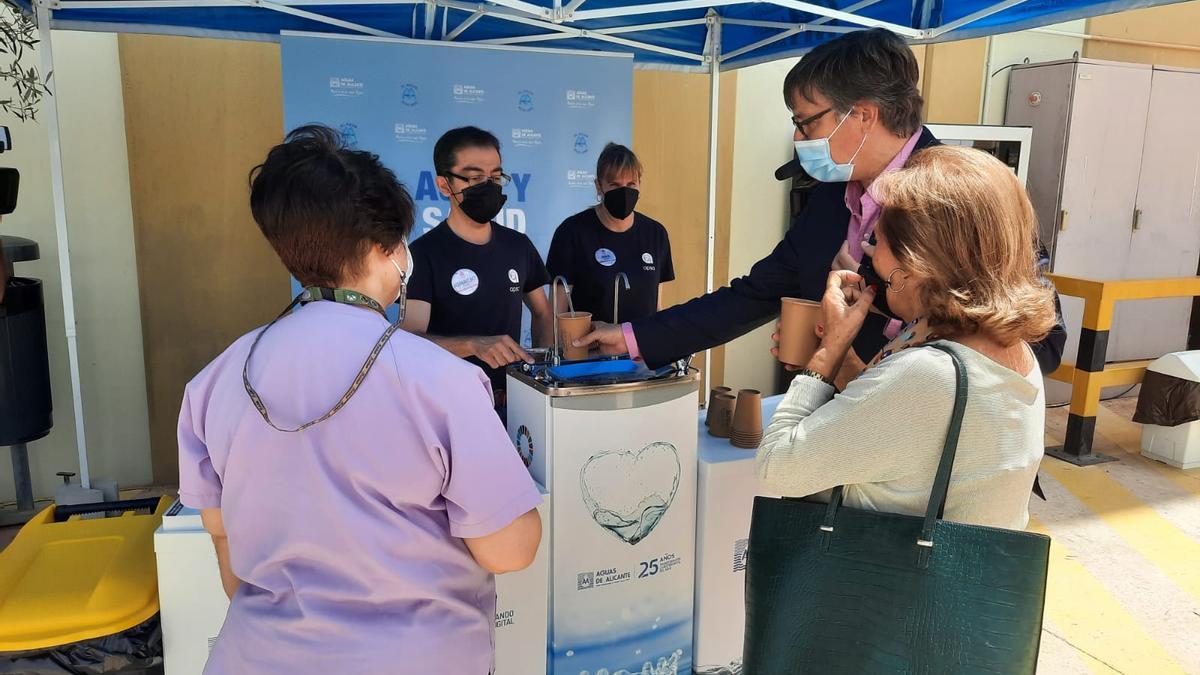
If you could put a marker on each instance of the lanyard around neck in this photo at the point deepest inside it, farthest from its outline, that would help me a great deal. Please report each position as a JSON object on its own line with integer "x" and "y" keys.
{"x": 340, "y": 295}
{"x": 314, "y": 294}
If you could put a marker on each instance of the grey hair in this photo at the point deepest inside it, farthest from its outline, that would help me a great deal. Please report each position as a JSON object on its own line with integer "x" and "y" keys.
{"x": 871, "y": 65}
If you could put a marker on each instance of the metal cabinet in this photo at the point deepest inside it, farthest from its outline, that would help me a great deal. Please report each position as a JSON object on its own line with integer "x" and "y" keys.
{"x": 1114, "y": 177}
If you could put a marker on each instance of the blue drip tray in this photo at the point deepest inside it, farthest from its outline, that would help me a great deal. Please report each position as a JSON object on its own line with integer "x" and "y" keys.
{"x": 587, "y": 369}
{"x": 603, "y": 371}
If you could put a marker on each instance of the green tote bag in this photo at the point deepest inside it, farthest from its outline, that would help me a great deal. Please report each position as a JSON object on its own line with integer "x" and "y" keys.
{"x": 831, "y": 589}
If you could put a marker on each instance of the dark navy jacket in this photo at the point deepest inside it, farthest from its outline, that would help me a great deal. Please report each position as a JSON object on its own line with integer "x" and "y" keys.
{"x": 797, "y": 268}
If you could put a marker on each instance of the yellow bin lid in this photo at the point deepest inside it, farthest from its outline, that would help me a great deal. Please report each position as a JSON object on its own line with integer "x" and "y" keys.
{"x": 77, "y": 580}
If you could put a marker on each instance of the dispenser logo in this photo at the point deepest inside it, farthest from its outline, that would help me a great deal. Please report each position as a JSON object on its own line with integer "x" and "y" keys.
{"x": 581, "y": 143}
{"x": 586, "y": 580}
{"x": 628, "y": 492}
{"x": 525, "y": 100}
{"x": 349, "y": 132}
{"x": 345, "y": 86}
{"x": 525, "y": 445}
{"x": 408, "y": 95}
{"x": 579, "y": 98}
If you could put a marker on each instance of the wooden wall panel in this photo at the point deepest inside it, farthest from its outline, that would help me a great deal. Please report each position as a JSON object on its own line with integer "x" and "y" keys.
{"x": 671, "y": 137}
{"x": 952, "y": 78}
{"x": 199, "y": 114}
{"x": 1174, "y": 24}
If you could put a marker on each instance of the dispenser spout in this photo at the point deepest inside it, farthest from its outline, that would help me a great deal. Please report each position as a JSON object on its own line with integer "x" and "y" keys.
{"x": 556, "y": 349}
{"x": 617, "y": 293}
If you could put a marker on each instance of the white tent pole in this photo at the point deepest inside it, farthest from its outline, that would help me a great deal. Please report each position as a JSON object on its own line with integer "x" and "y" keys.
{"x": 644, "y": 27}
{"x": 972, "y": 18}
{"x": 763, "y": 43}
{"x": 467, "y": 23}
{"x": 50, "y": 110}
{"x": 525, "y": 8}
{"x": 655, "y": 8}
{"x": 567, "y": 30}
{"x": 847, "y": 17}
{"x": 303, "y": 13}
{"x": 852, "y": 8}
{"x": 714, "y": 74}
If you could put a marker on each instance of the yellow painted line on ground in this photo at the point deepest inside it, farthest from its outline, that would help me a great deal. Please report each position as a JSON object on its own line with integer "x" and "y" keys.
{"x": 1094, "y": 623}
{"x": 1158, "y": 541}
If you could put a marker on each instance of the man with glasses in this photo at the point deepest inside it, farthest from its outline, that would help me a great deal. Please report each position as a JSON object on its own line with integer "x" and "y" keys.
{"x": 856, "y": 110}
{"x": 472, "y": 275}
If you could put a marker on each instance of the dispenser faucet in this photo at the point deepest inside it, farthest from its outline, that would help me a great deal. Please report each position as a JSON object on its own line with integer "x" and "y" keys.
{"x": 617, "y": 293}
{"x": 556, "y": 350}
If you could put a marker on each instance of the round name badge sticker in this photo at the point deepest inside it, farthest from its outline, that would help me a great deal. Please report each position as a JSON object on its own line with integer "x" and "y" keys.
{"x": 647, "y": 258}
{"x": 464, "y": 282}
{"x": 513, "y": 277}
{"x": 606, "y": 257}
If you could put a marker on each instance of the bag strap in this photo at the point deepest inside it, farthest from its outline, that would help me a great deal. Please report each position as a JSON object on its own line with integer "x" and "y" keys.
{"x": 941, "y": 482}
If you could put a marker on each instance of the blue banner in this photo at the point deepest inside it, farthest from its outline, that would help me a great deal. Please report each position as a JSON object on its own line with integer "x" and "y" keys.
{"x": 552, "y": 111}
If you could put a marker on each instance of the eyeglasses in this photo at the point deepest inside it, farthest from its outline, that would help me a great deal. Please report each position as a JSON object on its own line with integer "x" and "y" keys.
{"x": 501, "y": 180}
{"x": 800, "y": 124}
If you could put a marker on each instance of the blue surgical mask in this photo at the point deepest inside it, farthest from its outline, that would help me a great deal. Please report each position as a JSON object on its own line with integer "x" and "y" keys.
{"x": 817, "y": 161}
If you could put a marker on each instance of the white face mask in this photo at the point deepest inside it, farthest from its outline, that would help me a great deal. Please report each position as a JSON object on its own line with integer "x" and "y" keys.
{"x": 815, "y": 157}
{"x": 405, "y": 274}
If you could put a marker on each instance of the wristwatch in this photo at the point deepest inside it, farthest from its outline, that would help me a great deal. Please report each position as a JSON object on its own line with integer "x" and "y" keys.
{"x": 809, "y": 372}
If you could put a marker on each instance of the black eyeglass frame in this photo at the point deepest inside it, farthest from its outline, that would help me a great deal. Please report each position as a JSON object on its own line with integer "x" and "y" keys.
{"x": 800, "y": 124}
{"x": 502, "y": 180}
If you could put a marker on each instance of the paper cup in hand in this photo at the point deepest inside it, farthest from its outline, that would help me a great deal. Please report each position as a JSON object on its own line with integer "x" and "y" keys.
{"x": 747, "y": 419}
{"x": 571, "y": 327}
{"x": 720, "y": 414}
{"x": 798, "y": 331}
{"x": 712, "y": 395}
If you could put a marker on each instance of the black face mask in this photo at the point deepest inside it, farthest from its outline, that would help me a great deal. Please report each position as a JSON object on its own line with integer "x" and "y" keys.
{"x": 872, "y": 279}
{"x": 620, "y": 202}
{"x": 482, "y": 202}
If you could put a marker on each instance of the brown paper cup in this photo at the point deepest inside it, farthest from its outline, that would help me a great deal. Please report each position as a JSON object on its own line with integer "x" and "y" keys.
{"x": 571, "y": 327}
{"x": 747, "y": 418}
{"x": 720, "y": 415}
{"x": 713, "y": 394}
{"x": 797, "y": 331}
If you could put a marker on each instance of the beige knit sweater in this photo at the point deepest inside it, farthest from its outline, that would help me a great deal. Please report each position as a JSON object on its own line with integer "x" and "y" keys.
{"x": 882, "y": 438}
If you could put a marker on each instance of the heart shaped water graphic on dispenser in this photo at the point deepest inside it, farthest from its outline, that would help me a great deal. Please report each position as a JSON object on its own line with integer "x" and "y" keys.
{"x": 628, "y": 492}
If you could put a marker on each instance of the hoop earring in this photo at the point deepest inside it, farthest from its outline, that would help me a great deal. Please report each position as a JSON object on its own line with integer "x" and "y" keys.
{"x": 891, "y": 287}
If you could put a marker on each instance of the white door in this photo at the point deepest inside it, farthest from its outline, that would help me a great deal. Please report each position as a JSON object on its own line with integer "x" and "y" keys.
{"x": 1166, "y": 242}
{"x": 1100, "y": 179}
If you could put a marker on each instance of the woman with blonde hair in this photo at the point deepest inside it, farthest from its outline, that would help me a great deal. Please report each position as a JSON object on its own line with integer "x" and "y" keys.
{"x": 956, "y": 247}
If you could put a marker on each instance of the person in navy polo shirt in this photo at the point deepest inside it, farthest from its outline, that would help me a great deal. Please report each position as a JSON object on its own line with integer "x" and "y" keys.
{"x": 856, "y": 109}
{"x": 471, "y": 275}
{"x": 595, "y": 245}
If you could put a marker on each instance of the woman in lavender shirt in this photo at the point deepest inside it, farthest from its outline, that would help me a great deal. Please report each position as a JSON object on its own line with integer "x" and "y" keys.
{"x": 362, "y": 541}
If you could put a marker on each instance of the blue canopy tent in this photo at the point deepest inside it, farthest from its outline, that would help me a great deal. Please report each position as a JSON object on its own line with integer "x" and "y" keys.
{"x": 690, "y": 34}
{"x": 705, "y": 36}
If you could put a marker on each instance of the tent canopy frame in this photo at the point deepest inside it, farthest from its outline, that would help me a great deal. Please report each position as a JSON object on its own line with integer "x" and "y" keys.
{"x": 557, "y": 22}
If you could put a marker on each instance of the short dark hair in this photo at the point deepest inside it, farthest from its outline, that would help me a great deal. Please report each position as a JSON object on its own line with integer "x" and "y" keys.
{"x": 446, "y": 149}
{"x": 322, "y": 206}
{"x": 869, "y": 65}
{"x": 616, "y": 159}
